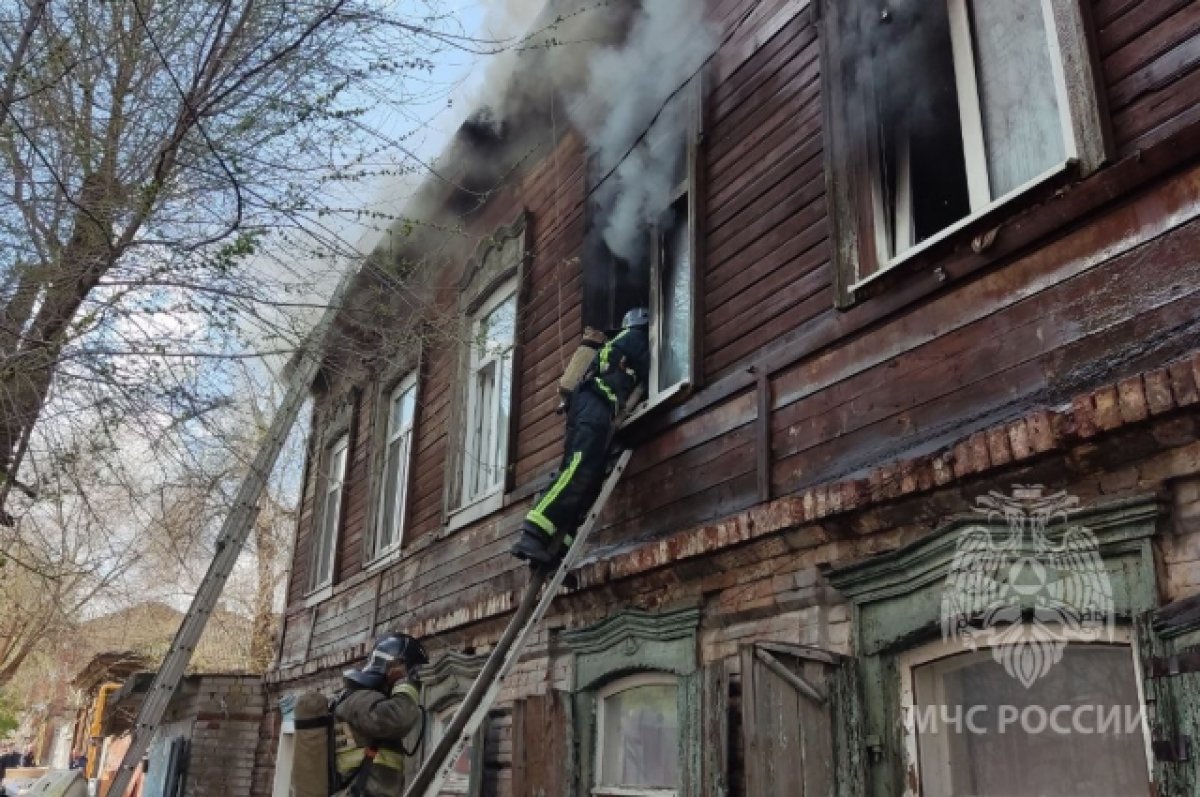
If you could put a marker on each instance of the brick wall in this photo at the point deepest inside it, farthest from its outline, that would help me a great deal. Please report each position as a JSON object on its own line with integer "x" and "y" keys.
{"x": 227, "y": 716}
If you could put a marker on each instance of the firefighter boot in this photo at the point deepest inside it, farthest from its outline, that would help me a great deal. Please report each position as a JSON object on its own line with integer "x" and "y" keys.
{"x": 539, "y": 548}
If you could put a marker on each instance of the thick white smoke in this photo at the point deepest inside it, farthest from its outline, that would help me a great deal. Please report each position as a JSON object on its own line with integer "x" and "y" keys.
{"x": 627, "y": 85}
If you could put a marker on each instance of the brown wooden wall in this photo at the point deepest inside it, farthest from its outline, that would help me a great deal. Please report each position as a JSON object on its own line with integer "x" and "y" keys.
{"x": 1095, "y": 282}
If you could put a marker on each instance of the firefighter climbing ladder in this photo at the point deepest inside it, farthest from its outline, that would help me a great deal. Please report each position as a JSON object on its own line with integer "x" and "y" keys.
{"x": 483, "y": 693}
{"x": 232, "y": 537}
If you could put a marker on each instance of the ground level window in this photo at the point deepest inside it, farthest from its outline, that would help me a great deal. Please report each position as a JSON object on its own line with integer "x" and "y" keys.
{"x": 637, "y": 739}
{"x": 459, "y": 779}
{"x": 974, "y": 728}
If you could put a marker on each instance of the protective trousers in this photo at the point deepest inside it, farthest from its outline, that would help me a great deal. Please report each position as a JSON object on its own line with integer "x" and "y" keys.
{"x": 581, "y": 474}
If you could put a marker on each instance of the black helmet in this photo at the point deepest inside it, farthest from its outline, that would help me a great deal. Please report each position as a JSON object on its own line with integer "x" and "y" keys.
{"x": 388, "y": 648}
{"x": 636, "y": 317}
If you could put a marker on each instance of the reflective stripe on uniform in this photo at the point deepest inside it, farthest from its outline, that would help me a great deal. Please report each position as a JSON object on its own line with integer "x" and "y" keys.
{"x": 537, "y": 515}
{"x": 607, "y": 350}
{"x": 348, "y": 761}
{"x": 606, "y": 390}
{"x": 406, "y": 688}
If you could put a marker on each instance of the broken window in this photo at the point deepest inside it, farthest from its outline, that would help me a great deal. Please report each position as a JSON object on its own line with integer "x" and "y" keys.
{"x": 397, "y": 456}
{"x": 325, "y": 539}
{"x": 1077, "y": 729}
{"x": 489, "y": 395}
{"x": 946, "y": 109}
{"x": 637, "y": 736}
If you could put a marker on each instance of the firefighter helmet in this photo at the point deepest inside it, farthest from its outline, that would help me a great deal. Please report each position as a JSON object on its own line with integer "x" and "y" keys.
{"x": 387, "y": 650}
{"x": 636, "y": 317}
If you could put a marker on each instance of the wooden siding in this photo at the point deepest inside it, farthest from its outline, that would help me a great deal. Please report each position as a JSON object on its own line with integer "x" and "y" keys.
{"x": 1150, "y": 53}
{"x": 1092, "y": 284}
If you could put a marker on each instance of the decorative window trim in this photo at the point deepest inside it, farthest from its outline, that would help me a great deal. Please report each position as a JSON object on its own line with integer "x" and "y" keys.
{"x": 405, "y": 373}
{"x": 337, "y": 422}
{"x": 630, "y": 643}
{"x": 851, "y": 192}
{"x": 498, "y": 262}
{"x": 896, "y": 596}
{"x": 445, "y": 684}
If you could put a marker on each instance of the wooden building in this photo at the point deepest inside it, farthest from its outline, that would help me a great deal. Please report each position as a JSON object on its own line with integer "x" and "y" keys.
{"x": 916, "y": 255}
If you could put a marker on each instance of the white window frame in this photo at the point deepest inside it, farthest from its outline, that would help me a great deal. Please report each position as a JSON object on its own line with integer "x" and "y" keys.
{"x": 910, "y": 661}
{"x": 687, "y": 191}
{"x": 379, "y": 554}
{"x": 494, "y": 489}
{"x": 974, "y": 149}
{"x": 613, "y": 688}
{"x": 332, "y": 488}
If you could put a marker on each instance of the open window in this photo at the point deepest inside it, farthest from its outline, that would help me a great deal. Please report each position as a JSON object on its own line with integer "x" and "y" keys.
{"x": 331, "y": 481}
{"x": 643, "y": 244}
{"x": 942, "y": 111}
{"x": 395, "y": 419}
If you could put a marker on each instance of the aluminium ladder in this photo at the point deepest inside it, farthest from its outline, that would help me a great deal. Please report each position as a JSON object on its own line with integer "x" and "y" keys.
{"x": 486, "y": 688}
{"x": 234, "y": 531}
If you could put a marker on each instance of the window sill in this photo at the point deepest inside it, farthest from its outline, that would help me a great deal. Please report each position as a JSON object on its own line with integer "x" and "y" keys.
{"x": 677, "y": 392}
{"x": 382, "y": 560}
{"x": 914, "y": 252}
{"x": 319, "y": 595}
{"x": 481, "y": 508}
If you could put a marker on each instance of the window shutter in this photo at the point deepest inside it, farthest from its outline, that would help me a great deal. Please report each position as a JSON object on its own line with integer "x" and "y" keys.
{"x": 1169, "y": 647}
{"x": 541, "y": 745}
{"x": 799, "y": 723}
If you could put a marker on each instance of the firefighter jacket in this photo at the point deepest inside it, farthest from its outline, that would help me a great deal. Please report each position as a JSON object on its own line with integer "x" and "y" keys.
{"x": 379, "y": 721}
{"x": 621, "y": 365}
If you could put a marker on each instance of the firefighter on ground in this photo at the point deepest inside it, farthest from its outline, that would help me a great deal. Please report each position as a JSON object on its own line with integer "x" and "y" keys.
{"x": 619, "y": 367}
{"x": 379, "y": 708}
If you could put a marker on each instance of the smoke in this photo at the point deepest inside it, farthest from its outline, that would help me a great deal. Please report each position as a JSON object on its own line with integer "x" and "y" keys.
{"x": 626, "y": 86}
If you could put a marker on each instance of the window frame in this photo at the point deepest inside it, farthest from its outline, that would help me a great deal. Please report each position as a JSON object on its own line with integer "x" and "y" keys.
{"x": 339, "y": 437}
{"x": 895, "y": 598}
{"x": 440, "y": 721}
{"x": 689, "y": 190}
{"x": 858, "y": 220}
{"x": 374, "y": 555}
{"x": 444, "y": 687}
{"x": 913, "y": 659}
{"x": 614, "y": 687}
{"x": 475, "y": 365}
{"x": 493, "y": 275}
